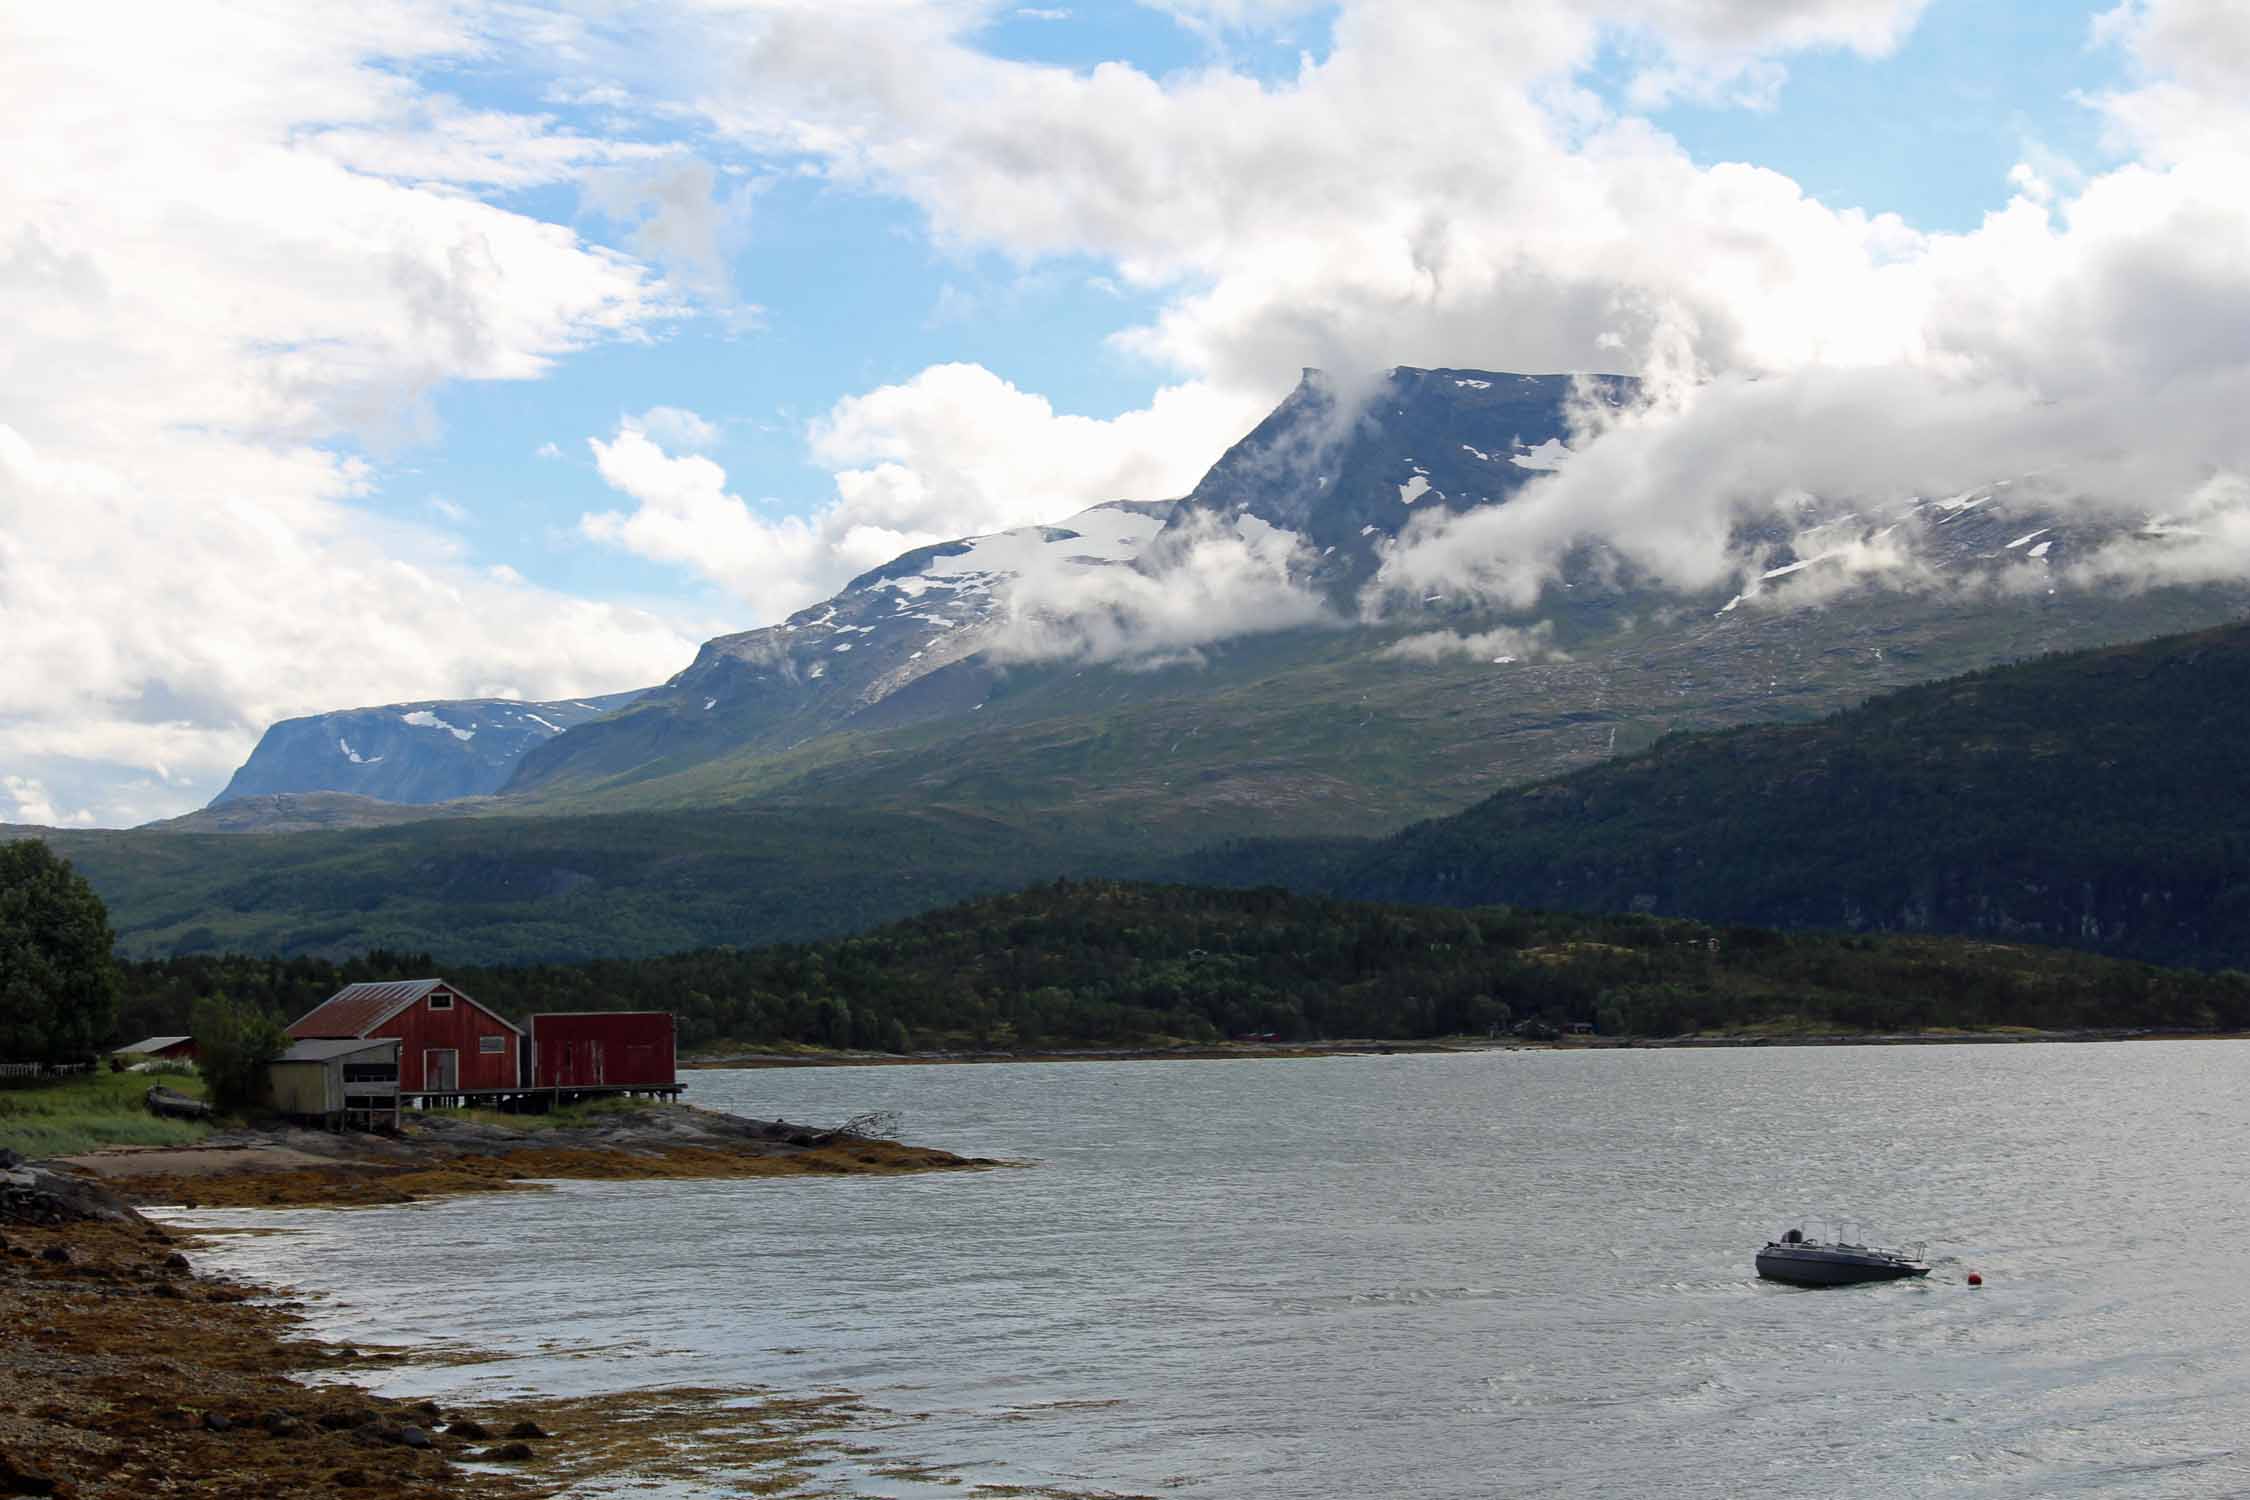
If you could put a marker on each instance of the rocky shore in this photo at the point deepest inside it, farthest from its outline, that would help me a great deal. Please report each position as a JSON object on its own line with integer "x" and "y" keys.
{"x": 439, "y": 1154}
{"x": 127, "y": 1372}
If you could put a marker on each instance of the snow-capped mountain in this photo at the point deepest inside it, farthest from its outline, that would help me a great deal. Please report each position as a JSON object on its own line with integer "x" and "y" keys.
{"x": 408, "y": 752}
{"x": 1342, "y": 475}
{"x": 1349, "y": 474}
{"x": 900, "y": 642}
{"x": 1339, "y": 476}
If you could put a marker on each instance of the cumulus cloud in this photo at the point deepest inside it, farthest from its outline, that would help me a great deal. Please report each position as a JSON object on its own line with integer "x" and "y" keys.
{"x": 236, "y": 242}
{"x": 32, "y": 804}
{"x": 956, "y": 451}
{"x": 677, "y": 427}
{"x": 1503, "y": 646}
{"x": 1669, "y": 488}
{"x": 1215, "y": 579}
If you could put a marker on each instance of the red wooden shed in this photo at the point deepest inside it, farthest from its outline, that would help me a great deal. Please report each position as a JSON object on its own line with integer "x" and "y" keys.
{"x": 450, "y": 1044}
{"x": 605, "y": 1049}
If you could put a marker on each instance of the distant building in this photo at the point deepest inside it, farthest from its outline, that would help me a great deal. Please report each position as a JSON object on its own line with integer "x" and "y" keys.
{"x": 162, "y": 1048}
{"x": 449, "y": 1045}
{"x": 345, "y": 1081}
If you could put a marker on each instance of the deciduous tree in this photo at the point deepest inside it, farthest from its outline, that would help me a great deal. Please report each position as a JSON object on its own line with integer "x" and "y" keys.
{"x": 58, "y": 979}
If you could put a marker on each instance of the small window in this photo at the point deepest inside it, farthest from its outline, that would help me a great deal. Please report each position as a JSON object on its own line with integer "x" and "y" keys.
{"x": 492, "y": 1044}
{"x": 439, "y": 1000}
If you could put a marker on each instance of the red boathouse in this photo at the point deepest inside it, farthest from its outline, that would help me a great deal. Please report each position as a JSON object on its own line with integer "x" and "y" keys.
{"x": 449, "y": 1044}
{"x": 627, "y": 1051}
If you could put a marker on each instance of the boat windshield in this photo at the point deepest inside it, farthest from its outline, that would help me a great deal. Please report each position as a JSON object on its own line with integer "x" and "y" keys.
{"x": 1846, "y": 1233}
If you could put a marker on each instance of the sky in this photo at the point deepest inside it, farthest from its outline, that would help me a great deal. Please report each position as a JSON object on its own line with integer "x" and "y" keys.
{"x": 439, "y": 348}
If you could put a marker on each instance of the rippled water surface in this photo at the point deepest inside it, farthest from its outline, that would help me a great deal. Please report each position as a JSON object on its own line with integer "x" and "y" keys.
{"x": 1516, "y": 1273}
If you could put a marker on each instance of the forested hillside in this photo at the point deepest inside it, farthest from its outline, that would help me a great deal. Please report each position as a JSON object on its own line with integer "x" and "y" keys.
{"x": 1107, "y": 962}
{"x": 2095, "y": 799}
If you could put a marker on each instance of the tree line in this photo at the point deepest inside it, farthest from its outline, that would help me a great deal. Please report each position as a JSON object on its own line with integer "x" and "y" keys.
{"x": 1095, "y": 962}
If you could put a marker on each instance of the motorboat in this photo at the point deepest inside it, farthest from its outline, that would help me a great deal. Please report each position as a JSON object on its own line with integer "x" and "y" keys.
{"x": 1793, "y": 1258}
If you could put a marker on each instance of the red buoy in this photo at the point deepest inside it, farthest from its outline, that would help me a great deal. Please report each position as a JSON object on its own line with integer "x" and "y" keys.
{"x": 1975, "y": 1279}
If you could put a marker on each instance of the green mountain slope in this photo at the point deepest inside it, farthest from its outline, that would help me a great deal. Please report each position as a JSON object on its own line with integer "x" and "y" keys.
{"x": 2095, "y": 799}
{"x": 515, "y": 889}
{"x": 1064, "y": 772}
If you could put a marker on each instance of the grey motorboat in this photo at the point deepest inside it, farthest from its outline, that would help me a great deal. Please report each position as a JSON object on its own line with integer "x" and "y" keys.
{"x": 1794, "y": 1258}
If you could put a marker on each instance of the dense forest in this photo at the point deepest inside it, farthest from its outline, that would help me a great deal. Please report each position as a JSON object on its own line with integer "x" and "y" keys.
{"x": 2091, "y": 800}
{"x": 1100, "y": 962}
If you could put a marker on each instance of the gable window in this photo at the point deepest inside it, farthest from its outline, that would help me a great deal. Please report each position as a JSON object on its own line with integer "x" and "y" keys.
{"x": 440, "y": 1000}
{"x": 492, "y": 1044}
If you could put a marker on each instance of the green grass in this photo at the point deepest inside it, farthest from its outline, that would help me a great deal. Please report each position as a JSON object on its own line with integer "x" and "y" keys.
{"x": 61, "y": 1117}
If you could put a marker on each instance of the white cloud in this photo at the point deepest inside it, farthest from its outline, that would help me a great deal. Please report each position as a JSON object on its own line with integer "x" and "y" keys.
{"x": 1201, "y": 585}
{"x": 1504, "y": 646}
{"x": 685, "y": 516}
{"x": 956, "y": 451}
{"x": 231, "y": 237}
{"x": 677, "y": 427}
{"x": 161, "y": 624}
{"x": 33, "y": 805}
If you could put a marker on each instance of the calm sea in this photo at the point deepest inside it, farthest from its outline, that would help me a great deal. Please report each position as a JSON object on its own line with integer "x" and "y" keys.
{"x": 1518, "y": 1273}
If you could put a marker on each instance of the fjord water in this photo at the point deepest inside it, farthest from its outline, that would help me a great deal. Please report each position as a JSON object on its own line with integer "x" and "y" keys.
{"x": 1516, "y": 1273}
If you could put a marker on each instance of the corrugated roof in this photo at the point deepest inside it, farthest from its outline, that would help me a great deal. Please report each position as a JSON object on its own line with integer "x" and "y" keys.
{"x": 356, "y": 1008}
{"x": 324, "y": 1048}
{"x": 155, "y": 1044}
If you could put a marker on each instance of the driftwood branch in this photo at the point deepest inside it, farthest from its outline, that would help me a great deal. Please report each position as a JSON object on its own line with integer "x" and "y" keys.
{"x": 875, "y": 1125}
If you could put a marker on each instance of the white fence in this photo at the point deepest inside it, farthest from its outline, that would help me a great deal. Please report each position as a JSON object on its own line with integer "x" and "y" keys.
{"x": 42, "y": 1070}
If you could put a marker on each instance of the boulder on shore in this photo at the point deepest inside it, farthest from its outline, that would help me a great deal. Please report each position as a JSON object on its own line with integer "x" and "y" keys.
{"x": 34, "y": 1195}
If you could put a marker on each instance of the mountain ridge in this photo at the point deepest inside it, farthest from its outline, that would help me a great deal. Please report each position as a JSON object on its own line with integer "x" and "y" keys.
{"x": 420, "y": 752}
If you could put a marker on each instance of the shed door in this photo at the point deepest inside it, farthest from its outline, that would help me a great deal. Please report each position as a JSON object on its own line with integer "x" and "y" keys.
{"x": 441, "y": 1070}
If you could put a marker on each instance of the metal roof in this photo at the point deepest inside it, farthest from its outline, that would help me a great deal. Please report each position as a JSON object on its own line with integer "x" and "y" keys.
{"x": 357, "y": 1009}
{"x": 156, "y": 1043}
{"x": 325, "y": 1049}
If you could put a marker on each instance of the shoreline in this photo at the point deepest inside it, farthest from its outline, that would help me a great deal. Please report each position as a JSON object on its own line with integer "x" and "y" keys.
{"x": 441, "y": 1155}
{"x": 1449, "y": 1046}
{"x": 127, "y": 1371}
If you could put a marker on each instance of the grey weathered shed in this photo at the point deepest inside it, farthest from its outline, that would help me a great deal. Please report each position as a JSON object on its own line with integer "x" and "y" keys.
{"x": 338, "y": 1081}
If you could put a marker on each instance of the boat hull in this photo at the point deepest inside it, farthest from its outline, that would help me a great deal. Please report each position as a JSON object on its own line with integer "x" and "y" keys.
{"x": 1808, "y": 1265}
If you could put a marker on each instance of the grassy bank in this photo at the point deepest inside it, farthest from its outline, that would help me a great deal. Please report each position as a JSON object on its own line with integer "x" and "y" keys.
{"x": 84, "y": 1112}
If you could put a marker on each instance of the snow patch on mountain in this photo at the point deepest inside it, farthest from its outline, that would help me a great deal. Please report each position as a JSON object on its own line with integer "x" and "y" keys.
{"x": 424, "y": 719}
